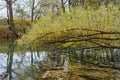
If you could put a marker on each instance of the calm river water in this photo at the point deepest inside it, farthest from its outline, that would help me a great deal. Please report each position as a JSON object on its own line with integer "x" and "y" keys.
{"x": 19, "y": 64}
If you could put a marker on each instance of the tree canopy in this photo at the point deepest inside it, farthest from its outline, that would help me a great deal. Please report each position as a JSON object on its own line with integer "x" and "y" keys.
{"x": 81, "y": 28}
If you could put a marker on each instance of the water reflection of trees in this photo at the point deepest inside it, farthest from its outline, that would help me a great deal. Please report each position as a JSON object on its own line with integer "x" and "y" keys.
{"x": 25, "y": 65}
{"x": 19, "y": 66}
{"x": 104, "y": 56}
{"x": 10, "y": 61}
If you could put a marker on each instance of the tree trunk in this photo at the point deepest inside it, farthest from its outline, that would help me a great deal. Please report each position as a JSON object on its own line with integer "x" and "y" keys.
{"x": 10, "y": 17}
{"x": 10, "y": 11}
{"x": 63, "y": 7}
{"x": 32, "y": 12}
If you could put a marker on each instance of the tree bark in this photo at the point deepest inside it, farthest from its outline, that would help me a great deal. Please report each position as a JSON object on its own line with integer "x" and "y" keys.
{"x": 10, "y": 11}
{"x": 10, "y": 17}
{"x": 63, "y": 7}
{"x": 32, "y": 12}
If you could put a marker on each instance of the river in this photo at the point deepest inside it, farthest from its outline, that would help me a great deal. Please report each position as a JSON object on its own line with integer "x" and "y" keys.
{"x": 27, "y": 64}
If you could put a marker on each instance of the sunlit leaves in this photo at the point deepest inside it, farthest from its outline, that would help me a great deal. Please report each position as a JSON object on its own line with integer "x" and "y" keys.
{"x": 80, "y": 28}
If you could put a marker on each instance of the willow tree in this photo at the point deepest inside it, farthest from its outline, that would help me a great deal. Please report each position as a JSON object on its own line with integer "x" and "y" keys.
{"x": 79, "y": 29}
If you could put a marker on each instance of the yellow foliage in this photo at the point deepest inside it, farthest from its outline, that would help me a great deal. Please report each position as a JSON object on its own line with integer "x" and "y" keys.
{"x": 84, "y": 27}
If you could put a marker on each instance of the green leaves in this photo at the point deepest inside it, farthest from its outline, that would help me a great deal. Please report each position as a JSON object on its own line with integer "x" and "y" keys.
{"x": 83, "y": 27}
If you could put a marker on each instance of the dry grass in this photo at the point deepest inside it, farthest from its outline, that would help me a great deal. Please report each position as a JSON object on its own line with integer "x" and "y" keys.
{"x": 79, "y": 72}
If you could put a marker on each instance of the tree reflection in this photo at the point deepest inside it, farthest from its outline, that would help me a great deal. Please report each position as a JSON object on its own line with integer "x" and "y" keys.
{"x": 10, "y": 60}
{"x": 32, "y": 63}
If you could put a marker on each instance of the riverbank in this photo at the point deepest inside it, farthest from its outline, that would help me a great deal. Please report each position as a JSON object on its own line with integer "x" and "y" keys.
{"x": 91, "y": 72}
{"x": 83, "y": 72}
